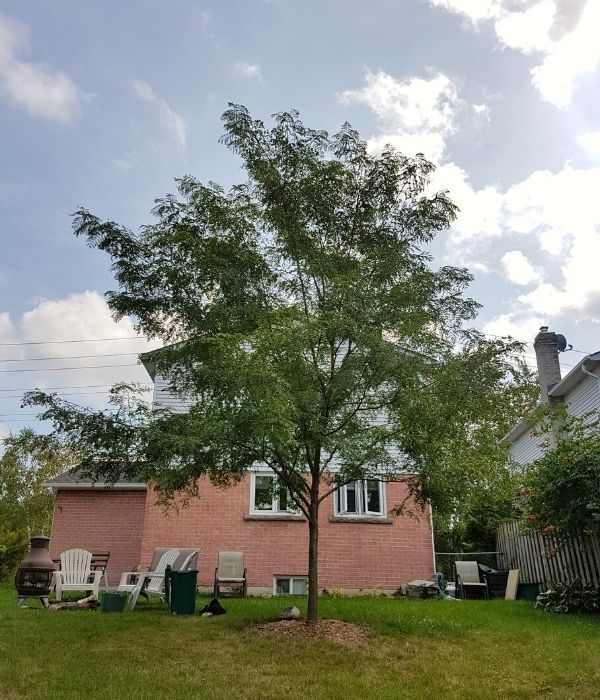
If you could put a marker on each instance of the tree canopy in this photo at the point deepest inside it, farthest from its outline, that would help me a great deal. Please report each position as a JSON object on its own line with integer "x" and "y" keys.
{"x": 28, "y": 460}
{"x": 297, "y": 309}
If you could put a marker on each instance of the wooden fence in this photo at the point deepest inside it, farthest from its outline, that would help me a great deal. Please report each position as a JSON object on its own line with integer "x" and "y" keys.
{"x": 541, "y": 559}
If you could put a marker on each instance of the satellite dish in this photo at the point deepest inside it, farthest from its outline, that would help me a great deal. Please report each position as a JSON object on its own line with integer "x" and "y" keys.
{"x": 561, "y": 341}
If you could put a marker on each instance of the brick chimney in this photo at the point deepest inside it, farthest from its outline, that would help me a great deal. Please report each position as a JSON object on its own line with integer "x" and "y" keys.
{"x": 546, "y": 352}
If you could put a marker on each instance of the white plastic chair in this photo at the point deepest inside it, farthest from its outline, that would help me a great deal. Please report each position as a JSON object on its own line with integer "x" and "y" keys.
{"x": 147, "y": 582}
{"x": 76, "y": 574}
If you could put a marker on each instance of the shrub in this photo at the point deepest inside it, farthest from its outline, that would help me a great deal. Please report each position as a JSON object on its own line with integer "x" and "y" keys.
{"x": 571, "y": 597}
{"x": 13, "y": 548}
{"x": 560, "y": 492}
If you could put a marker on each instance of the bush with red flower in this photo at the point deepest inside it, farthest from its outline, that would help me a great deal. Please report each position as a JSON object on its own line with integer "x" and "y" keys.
{"x": 560, "y": 493}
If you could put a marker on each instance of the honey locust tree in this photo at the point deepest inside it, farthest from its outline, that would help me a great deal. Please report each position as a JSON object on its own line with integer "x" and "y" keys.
{"x": 294, "y": 308}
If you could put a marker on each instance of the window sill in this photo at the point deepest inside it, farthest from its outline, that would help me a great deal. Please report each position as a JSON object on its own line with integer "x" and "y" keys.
{"x": 274, "y": 516}
{"x": 369, "y": 519}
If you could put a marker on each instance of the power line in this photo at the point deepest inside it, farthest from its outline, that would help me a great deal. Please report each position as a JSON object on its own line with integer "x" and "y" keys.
{"x": 74, "y": 393}
{"x": 83, "y": 340}
{"x": 68, "y": 357}
{"x": 58, "y": 369}
{"x": 12, "y": 415}
{"x": 69, "y": 386}
{"x": 529, "y": 342}
{"x": 20, "y": 420}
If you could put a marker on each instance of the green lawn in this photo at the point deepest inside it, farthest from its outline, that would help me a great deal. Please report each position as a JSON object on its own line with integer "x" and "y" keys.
{"x": 418, "y": 649}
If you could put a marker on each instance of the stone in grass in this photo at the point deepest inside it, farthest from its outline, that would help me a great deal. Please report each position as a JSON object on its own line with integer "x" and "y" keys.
{"x": 290, "y": 613}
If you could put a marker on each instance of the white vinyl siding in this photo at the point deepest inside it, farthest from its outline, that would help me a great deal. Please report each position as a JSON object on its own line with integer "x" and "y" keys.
{"x": 163, "y": 397}
{"x": 527, "y": 448}
{"x": 585, "y": 397}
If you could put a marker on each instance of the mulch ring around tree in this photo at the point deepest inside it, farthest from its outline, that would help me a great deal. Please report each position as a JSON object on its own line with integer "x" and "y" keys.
{"x": 335, "y": 631}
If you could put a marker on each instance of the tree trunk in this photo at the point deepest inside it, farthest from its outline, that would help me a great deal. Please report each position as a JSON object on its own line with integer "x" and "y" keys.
{"x": 313, "y": 563}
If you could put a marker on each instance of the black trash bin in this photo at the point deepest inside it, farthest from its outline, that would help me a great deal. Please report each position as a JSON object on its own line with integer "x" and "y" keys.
{"x": 180, "y": 587}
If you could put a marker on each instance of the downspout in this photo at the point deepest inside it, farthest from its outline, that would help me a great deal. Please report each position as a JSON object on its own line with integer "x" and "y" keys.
{"x": 432, "y": 537}
{"x": 591, "y": 374}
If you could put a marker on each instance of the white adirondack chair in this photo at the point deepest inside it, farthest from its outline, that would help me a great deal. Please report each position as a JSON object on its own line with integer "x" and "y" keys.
{"x": 76, "y": 573}
{"x": 147, "y": 583}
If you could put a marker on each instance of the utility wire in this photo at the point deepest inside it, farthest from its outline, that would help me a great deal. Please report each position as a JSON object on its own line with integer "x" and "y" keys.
{"x": 73, "y": 393}
{"x": 84, "y": 340}
{"x": 529, "y": 342}
{"x": 58, "y": 369}
{"x": 68, "y": 357}
{"x": 69, "y": 386}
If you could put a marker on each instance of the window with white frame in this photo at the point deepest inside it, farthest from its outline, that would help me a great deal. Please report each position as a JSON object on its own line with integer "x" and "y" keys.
{"x": 290, "y": 585}
{"x": 269, "y": 496}
{"x": 364, "y": 497}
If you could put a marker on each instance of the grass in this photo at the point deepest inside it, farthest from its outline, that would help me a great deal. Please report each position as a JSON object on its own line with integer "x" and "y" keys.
{"x": 418, "y": 649}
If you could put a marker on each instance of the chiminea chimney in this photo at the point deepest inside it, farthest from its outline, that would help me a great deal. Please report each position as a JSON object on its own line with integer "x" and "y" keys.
{"x": 546, "y": 352}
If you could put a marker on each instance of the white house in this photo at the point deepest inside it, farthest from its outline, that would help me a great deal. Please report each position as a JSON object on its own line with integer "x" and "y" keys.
{"x": 578, "y": 391}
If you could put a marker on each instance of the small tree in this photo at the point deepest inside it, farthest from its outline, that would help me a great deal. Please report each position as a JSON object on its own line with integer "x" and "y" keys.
{"x": 26, "y": 505}
{"x": 298, "y": 307}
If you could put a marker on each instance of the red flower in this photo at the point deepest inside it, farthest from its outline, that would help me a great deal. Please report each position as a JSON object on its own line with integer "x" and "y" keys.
{"x": 525, "y": 490}
{"x": 532, "y": 518}
{"x": 548, "y": 529}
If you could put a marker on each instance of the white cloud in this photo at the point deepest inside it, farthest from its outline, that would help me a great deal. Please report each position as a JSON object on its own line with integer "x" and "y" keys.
{"x": 527, "y": 31}
{"x": 561, "y": 34}
{"x": 475, "y": 10}
{"x": 480, "y": 210}
{"x": 203, "y": 17}
{"x": 416, "y": 114}
{"x": 126, "y": 163}
{"x": 559, "y": 213}
{"x": 519, "y": 326}
{"x": 143, "y": 91}
{"x": 173, "y": 122}
{"x": 518, "y": 269}
{"x": 590, "y": 142}
{"x": 249, "y": 71}
{"x": 40, "y": 91}
{"x": 81, "y": 316}
{"x": 482, "y": 110}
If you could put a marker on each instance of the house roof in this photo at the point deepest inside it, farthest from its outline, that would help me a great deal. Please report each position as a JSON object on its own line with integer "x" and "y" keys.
{"x": 564, "y": 387}
{"x": 73, "y": 480}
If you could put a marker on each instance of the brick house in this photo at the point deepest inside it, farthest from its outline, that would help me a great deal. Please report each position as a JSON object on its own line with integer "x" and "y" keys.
{"x": 361, "y": 545}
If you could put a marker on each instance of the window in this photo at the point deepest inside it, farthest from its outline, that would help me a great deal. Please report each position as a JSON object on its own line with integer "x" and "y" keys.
{"x": 290, "y": 585}
{"x": 268, "y": 496}
{"x": 365, "y": 497}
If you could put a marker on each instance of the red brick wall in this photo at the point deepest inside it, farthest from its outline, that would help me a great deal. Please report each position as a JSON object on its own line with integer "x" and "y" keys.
{"x": 100, "y": 519}
{"x": 351, "y": 555}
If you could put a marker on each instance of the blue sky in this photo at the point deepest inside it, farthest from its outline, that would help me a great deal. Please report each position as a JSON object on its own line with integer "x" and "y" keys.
{"x": 104, "y": 104}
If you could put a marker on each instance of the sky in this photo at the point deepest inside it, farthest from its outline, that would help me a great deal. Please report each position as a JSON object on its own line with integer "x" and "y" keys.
{"x": 104, "y": 104}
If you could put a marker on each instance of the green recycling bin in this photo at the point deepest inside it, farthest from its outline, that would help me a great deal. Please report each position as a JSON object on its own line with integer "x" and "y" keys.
{"x": 181, "y": 590}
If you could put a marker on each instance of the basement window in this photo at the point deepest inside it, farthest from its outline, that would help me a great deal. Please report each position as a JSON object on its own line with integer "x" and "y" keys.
{"x": 290, "y": 585}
